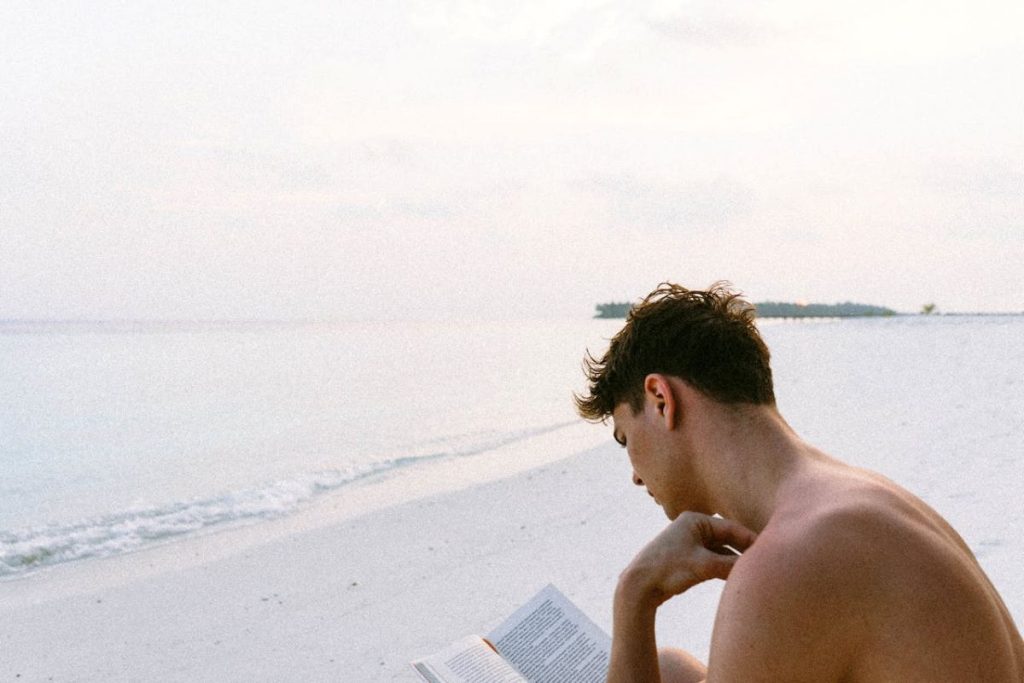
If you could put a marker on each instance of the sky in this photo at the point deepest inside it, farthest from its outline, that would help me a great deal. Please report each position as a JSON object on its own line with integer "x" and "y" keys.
{"x": 480, "y": 159}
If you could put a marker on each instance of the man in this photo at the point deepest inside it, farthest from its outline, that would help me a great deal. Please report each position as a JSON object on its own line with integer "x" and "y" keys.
{"x": 844, "y": 576}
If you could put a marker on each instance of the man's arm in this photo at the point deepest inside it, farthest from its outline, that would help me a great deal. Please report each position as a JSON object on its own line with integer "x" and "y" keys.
{"x": 632, "y": 647}
{"x": 681, "y": 556}
{"x": 634, "y": 654}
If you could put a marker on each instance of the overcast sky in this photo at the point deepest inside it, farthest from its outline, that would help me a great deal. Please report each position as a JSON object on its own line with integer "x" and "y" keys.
{"x": 376, "y": 159}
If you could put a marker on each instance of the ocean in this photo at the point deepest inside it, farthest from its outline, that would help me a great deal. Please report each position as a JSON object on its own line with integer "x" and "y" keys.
{"x": 114, "y": 436}
{"x": 118, "y": 435}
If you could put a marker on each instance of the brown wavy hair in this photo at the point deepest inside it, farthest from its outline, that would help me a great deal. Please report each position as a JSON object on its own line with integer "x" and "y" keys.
{"x": 706, "y": 338}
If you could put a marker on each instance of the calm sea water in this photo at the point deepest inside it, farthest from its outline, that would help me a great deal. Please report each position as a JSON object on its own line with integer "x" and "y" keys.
{"x": 117, "y": 435}
{"x": 113, "y": 436}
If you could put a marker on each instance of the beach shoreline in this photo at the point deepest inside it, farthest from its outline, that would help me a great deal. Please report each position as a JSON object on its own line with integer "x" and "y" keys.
{"x": 354, "y": 594}
{"x": 355, "y": 597}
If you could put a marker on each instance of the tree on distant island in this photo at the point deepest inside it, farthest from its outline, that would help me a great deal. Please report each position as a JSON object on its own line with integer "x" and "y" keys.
{"x": 927, "y": 309}
{"x": 847, "y": 309}
{"x": 776, "y": 309}
{"x": 615, "y": 309}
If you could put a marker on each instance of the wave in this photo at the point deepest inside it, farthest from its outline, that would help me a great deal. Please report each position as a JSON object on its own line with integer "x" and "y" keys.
{"x": 26, "y": 550}
{"x": 128, "y": 530}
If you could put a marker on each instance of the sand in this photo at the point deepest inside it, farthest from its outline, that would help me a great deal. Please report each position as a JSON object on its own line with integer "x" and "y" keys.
{"x": 342, "y": 594}
{"x": 351, "y": 600}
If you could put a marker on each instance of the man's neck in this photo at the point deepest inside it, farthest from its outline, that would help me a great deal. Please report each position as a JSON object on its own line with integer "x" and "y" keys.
{"x": 750, "y": 455}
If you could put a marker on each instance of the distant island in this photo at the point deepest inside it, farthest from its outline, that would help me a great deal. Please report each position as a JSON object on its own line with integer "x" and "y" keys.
{"x": 776, "y": 309}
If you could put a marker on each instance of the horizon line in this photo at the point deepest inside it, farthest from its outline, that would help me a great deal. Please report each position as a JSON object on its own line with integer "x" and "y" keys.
{"x": 331, "y": 321}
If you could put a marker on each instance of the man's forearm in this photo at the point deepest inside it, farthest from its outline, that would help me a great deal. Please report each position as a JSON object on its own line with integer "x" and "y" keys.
{"x": 634, "y": 654}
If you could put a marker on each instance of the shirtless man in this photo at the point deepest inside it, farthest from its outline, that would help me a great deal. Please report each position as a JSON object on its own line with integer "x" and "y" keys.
{"x": 844, "y": 576}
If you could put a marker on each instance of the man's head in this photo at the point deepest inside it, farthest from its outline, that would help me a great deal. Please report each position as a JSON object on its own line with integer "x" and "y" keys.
{"x": 707, "y": 339}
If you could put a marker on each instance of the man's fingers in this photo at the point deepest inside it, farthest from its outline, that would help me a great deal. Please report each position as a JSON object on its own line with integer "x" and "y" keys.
{"x": 728, "y": 532}
{"x": 718, "y": 566}
{"x": 704, "y": 566}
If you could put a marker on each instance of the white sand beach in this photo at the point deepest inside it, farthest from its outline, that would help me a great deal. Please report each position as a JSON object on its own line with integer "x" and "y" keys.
{"x": 339, "y": 595}
{"x": 354, "y": 600}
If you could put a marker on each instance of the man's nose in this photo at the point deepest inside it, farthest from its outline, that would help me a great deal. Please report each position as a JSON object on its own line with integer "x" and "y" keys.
{"x": 637, "y": 480}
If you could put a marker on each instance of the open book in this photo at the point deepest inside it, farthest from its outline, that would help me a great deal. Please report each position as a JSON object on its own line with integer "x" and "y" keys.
{"x": 546, "y": 640}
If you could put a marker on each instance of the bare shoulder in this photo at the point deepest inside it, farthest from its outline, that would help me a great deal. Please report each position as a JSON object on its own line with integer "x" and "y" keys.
{"x": 795, "y": 603}
{"x": 860, "y": 581}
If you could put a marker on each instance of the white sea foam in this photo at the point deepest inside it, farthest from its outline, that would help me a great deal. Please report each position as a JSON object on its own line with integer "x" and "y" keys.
{"x": 32, "y": 548}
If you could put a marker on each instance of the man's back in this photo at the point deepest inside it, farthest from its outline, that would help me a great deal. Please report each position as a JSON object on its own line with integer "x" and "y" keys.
{"x": 869, "y": 574}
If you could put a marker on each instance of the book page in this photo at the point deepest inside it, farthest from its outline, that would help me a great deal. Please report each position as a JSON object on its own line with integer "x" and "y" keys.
{"x": 549, "y": 640}
{"x": 469, "y": 660}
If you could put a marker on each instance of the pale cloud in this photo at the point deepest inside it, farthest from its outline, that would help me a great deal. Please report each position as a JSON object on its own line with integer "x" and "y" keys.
{"x": 1000, "y": 177}
{"x": 908, "y": 32}
{"x": 523, "y": 25}
{"x": 718, "y": 25}
{"x": 682, "y": 208}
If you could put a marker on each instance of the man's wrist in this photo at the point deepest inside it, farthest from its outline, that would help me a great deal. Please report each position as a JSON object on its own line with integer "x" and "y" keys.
{"x": 635, "y": 593}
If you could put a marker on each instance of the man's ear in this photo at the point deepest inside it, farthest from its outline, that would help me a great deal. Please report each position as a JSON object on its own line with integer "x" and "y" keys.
{"x": 660, "y": 396}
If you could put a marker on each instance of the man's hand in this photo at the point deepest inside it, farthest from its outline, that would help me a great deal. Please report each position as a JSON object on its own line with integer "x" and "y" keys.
{"x": 690, "y": 550}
